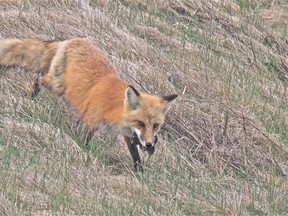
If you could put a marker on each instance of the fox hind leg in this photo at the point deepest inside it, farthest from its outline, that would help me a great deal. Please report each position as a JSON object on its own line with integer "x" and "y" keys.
{"x": 34, "y": 89}
{"x": 53, "y": 84}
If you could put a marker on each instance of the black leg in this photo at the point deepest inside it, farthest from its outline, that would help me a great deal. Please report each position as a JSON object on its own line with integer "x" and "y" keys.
{"x": 132, "y": 146}
{"x": 35, "y": 88}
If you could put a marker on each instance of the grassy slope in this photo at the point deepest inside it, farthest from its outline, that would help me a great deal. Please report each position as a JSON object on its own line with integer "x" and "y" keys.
{"x": 224, "y": 149}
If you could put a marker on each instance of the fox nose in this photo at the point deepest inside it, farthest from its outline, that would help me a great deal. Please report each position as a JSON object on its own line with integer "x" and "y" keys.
{"x": 149, "y": 145}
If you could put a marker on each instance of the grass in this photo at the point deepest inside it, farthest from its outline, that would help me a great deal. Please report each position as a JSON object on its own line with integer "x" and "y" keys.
{"x": 224, "y": 148}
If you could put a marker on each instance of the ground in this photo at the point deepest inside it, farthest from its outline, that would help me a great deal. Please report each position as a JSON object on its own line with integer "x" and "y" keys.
{"x": 224, "y": 147}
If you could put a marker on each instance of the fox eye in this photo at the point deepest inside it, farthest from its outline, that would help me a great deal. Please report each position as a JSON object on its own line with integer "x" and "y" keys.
{"x": 141, "y": 124}
{"x": 156, "y": 125}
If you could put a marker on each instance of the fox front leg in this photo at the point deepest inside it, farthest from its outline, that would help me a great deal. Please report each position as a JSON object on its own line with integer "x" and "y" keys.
{"x": 132, "y": 146}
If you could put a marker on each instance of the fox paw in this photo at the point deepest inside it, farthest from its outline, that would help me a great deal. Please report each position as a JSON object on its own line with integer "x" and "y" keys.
{"x": 138, "y": 167}
{"x": 34, "y": 89}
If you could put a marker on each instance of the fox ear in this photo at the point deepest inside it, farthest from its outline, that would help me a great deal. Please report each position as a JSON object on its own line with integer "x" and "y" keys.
{"x": 132, "y": 97}
{"x": 168, "y": 101}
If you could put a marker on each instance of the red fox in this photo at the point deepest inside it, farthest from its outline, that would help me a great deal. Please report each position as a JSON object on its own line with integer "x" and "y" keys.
{"x": 82, "y": 72}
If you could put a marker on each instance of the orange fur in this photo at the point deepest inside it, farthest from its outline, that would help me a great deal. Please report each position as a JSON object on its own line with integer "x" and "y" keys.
{"x": 81, "y": 72}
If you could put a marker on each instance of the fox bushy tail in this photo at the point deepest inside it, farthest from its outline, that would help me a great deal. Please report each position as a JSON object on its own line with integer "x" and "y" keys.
{"x": 32, "y": 54}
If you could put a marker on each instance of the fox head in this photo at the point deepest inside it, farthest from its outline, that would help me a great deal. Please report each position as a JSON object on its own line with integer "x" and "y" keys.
{"x": 146, "y": 114}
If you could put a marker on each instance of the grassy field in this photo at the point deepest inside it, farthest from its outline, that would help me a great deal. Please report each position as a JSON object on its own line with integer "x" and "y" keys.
{"x": 224, "y": 147}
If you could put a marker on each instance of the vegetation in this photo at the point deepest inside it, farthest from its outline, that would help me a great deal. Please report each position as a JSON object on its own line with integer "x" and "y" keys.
{"x": 224, "y": 148}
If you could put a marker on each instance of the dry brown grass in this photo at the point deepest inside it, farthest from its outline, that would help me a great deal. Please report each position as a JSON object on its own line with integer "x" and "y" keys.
{"x": 223, "y": 150}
